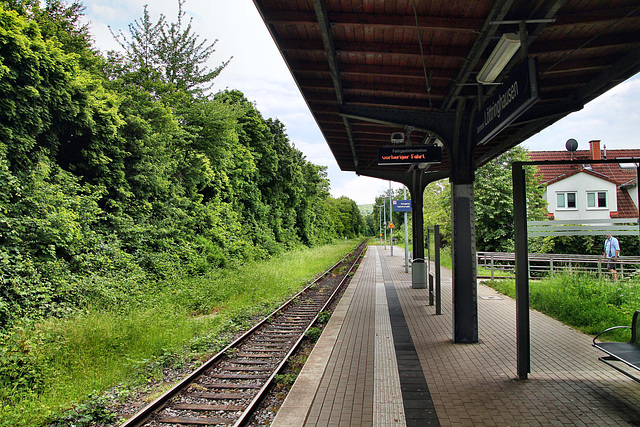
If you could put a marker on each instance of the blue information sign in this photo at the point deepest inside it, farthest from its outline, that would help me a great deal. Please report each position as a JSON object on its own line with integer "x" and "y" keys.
{"x": 402, "y": 205}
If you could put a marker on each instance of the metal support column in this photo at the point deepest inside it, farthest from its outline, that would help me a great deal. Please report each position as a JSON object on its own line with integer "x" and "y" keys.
{"x": 463, "y": 241}
{"x": 390, "y": 218}
{"x": 418, "y": 267}
{"x": 523, "y": 326}
{"x": 463, "y": 249}
{"x": 406, "y": 238}
{"x": 436, "y": 242}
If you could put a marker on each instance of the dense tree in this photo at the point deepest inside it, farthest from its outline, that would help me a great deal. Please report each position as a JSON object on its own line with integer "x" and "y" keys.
{"x": 493, "y": 194}
{"x": 494, "y": 201}
{"x": 165, "y": 53}
{"x": 135, "y": 175}
{"x": 347, "y": 219}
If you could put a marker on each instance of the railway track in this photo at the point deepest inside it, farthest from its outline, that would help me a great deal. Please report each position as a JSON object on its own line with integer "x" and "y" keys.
{"x": 227, "y": 388}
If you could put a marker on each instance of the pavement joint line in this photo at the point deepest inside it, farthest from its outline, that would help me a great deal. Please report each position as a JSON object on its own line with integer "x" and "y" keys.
{"x": 388, "y": 408}
{"x": 416, "y": 399}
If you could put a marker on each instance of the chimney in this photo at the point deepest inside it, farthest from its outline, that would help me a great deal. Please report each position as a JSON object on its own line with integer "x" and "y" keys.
{"x": 595, "y": 149}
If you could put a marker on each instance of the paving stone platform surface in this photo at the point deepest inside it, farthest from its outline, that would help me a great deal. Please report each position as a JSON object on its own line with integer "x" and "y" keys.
{"x": 386, "y": 359}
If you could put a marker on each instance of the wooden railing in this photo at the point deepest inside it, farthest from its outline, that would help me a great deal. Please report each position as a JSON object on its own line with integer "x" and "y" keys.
{"x": 502, "y": 264}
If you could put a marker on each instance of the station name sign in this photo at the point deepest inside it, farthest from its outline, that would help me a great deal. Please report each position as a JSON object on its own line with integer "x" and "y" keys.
{"x": 407, "y": 155}
{"x": 514, "y": 97}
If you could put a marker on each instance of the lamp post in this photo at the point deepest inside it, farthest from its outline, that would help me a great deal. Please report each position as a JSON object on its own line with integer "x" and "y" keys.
{"x": 406, "y": 238}
{"x": 380, "y": 221}
{"x": 384, "y": 222}
{"x": 390, "y": 218}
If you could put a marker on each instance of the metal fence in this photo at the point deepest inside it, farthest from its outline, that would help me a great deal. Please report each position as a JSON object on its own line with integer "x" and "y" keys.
{"x": 502, "y": 264}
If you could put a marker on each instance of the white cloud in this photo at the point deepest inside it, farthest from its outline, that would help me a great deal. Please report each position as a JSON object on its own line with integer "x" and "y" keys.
{"x": 613, "y": 118}
{"x": 363, "y": 190}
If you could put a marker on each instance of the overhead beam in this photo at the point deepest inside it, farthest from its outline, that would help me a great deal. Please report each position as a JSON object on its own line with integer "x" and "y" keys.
{"x": 417, "y": 72}
{"x": 601, "y": 16}
{"x": 624, "y": 68}
{"x": 328, "y": 47}
{"x": 440, "y": 124}
{"x": 409, "y": 101}
{"x": 368, "y": 48}
{"x": 432, "y": 23}
{"x": 376, "y": 87}
{"x": 609, "y": 41}
{"x": 325, "y": 29}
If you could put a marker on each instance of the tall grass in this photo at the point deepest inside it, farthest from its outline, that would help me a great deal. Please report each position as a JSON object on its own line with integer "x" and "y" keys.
{"x": 582, "y": 301}
{"x": 65, "y": 361}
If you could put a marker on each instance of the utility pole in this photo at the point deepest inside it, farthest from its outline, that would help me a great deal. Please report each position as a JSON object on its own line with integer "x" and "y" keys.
{"x": 406, "y": 238}
{"x": 390, "y": 218}
{"x": 384, "y": 206}
{"x": 380, "y": 220}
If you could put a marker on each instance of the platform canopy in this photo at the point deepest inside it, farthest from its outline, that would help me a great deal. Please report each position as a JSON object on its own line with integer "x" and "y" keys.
{"x": 369, "y": 68}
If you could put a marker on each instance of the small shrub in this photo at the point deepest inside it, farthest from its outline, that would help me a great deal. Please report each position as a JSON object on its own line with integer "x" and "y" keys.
{"x": 313, "y": 334}
{"x": 286, "y": 380}
{"x": 95, "y": 411}
{"x": 323, "y": 317}
{"x": 19, "y": 368}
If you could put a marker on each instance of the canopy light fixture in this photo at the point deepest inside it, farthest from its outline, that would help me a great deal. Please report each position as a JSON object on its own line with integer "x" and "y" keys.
{"x": 507, "y": 46}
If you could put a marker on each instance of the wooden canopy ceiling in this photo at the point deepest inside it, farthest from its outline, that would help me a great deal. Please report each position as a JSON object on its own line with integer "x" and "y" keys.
{"x": 407, "y": 60}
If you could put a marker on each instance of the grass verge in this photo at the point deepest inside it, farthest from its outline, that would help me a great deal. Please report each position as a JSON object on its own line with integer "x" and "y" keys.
{"x": 52, "y": 366}
{"x": 582, "y": 301}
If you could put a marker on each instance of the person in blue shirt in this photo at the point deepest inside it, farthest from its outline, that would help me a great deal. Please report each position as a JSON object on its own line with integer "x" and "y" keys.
{"x": 611, "y": 253}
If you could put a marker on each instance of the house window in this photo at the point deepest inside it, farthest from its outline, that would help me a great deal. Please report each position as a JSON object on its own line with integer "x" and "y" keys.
{"x": 596, "y": 199}
{"x": 566, "y": 200}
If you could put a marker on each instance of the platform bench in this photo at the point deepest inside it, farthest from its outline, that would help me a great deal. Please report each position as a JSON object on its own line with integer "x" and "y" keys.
{"x": 626, "y": 353}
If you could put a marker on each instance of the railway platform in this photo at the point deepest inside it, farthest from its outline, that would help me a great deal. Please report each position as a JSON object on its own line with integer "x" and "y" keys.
{"x": 386, "y": 359}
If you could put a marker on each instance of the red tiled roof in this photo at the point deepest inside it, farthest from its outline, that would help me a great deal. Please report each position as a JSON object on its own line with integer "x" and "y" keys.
{"x": 626, "y": 207}
{"x": 611, "y": 172}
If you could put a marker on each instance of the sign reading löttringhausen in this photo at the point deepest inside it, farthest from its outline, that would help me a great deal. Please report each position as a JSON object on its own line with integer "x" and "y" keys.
{"x": 513, "y": 97}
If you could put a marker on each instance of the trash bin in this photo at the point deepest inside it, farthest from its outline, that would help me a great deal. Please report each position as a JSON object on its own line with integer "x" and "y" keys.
{"x": 419, "y": 274}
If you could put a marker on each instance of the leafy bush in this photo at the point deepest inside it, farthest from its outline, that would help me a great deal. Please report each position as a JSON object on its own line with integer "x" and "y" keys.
{"x": 95, "y": 411}
{"x": 137, "y": 329}
{"x": 20, "y": 372}
{"x": 313, "y": 334}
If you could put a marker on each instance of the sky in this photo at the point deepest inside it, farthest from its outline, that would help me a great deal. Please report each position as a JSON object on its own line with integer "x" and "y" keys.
{"x": 258, "y": 70}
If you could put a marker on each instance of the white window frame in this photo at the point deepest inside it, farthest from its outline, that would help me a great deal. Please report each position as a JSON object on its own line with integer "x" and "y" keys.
{"x": 566, "y": 199}
{"x": 596, "y": 193}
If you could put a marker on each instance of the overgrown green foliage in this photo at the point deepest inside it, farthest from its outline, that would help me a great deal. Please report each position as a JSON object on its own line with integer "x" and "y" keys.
{"x": 115, "y": 176}
{"x": 136, "y": 212}
{"x": 582, "y": 301}
{"x": 493, "y": 192}
{"x": 48, "y": 370}
{"x": 588, "y": 245}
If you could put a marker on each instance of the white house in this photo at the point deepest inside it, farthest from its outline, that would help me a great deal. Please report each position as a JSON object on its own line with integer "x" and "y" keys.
{"x": 589, "y": 191}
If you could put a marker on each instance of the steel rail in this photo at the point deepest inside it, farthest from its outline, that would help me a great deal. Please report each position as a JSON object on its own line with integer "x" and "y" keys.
{"x": 265, "y": 388}
{"x": 143, "y": 415}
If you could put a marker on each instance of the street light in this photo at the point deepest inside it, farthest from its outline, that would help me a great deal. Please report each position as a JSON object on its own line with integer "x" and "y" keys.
{"x": 380, "y": 221}
{"x": 390, "y": 218}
